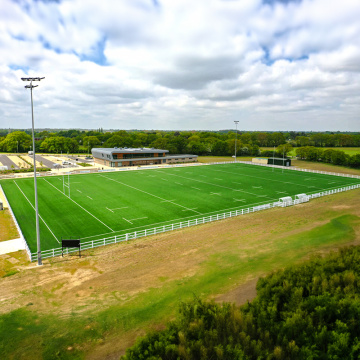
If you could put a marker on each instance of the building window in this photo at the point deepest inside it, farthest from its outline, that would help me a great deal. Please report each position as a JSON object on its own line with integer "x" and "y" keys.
{"x": 115, "y": 156}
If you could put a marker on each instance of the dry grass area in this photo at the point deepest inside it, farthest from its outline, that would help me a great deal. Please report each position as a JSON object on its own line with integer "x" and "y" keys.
{"x": 8, "y": 229}
{"x": 123, "y": 273}
{"x": 324, "y": 167}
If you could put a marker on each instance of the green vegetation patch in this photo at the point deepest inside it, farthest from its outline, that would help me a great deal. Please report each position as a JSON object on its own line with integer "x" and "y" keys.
{"x": 27, "y": 335}
{"x": 311, "y": 311}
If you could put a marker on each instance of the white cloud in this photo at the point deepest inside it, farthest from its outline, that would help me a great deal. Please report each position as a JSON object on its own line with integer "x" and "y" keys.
{"x": 182, "y": 64}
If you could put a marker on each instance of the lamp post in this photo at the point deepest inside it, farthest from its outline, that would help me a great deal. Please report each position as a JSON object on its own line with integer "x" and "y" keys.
{"x": 236, "y": 123}
{"x": 31, "y": 86}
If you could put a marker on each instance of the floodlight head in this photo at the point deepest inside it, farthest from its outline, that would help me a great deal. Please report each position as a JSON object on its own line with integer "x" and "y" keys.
{"x": 32, "y": 78}
{"x": 30, "y": 86}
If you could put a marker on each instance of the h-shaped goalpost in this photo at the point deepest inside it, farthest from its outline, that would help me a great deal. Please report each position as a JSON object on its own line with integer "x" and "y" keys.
{"x": 66, "y": 185}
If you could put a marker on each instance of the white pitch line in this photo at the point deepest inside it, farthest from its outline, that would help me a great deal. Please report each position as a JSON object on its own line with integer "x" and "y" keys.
{"x": 178, "y": 183}
{"x": 257, "y": 187}
{"x": 39, "y": 214}
{"x": 128, "y": 221}
{"x": 79, "y": 191}
{"x": 109, "y": 209}
{"x": 193, "y": 187}
{"x": 215, "y": 194}
{"x": 189, "y": 209}
{"x": 89, "y": 197}
{"x": 78, "y": 205}
{"x": 217, "y": 185}
{"x": 140, "y": 218}
{"x": 236, "y": 183}
{"x": 164, "y": 179}
{"x": 145, "y": 192}
{"x": 239, "y": 200}
{"x": 123, "y": 207}
{"x": 218, "y": 179}
{"x": 266, "y": 179}
{"x": 167, "y": 200}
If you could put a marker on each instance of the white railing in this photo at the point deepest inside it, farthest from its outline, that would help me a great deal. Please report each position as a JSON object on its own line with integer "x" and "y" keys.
{"x": 294, "y": 168}
{"x": 184, "y": 224}
{"x": 18, "y": 227}
{"x": 164, "y": 228}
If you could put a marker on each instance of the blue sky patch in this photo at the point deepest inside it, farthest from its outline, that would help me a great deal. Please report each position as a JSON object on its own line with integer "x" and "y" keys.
{"x": 96, "y": 53}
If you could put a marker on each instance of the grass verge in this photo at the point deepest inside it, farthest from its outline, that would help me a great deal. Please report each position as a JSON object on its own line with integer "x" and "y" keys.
{"x": 95, "y": 307}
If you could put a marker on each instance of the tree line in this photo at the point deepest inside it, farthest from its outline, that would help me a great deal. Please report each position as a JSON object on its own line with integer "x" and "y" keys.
{"x": 308, "y": 311}
{"x": 218, "y": 143}
{"x": 329, "y": 156}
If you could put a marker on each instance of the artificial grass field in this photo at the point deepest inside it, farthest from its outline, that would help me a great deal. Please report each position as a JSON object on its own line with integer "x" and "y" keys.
{"x": 114, "y": 203}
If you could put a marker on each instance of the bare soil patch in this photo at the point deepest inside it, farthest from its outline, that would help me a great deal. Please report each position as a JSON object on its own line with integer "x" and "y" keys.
{"x": 120, "y": 273}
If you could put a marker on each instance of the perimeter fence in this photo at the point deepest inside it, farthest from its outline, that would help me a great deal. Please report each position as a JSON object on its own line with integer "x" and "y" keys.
{"x": 183, "y": 224}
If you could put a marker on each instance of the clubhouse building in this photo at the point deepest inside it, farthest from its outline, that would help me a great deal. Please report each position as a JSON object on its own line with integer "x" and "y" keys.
{"x": 118, "y": 157}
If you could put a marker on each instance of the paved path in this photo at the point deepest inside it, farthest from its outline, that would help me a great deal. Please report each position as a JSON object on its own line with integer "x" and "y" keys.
{"x": 11, "y": 246}
{"x": 48, "y": 163}
{"x": 78, "y": 159}
{"x": 7, "y": 162}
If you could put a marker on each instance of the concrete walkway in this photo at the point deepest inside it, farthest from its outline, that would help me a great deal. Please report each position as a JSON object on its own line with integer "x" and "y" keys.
{"x": 11, "y": 246}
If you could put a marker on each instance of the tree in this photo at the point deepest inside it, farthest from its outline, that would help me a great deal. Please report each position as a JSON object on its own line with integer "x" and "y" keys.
{"x": 17, "y": 140}
{"x": 284, "y": 149}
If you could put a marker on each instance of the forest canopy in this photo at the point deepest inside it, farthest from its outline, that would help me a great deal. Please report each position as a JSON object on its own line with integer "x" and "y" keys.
{"x": 308, "y": 311}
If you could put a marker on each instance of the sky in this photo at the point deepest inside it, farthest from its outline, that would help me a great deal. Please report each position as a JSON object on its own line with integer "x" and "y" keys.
{"x": 272, "y": 65}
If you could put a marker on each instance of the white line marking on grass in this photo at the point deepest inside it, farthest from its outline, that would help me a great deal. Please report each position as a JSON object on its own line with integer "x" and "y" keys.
{"x": 78, "y": 205}
{"x": 212, "y": 193}
{"x": 236, "y": 183}
{"x": 180, "y": 219}
{"x": 128, "y": 221}
{"x": 164, "y": 179}
{"x": 193, "y": 187}
{"x": 218, "y": 179}
{"x": 39, "y": 214}
{"x": 79, "y": 191}
{"x": 109, "y": 209}
{"x": 140, "y": 218}
{"x": 281, "y": 192}
{"x": 145, "y": 192}
{"x": 203, "y": 175}
{"x": 123, "y": 207}
{"x": 89, "y": 197}
{"x": 261, "y": 196}
{"x": 257, "y": 187}
{"x": 217, "y": 185}
{"x": 167, "y": 200}
{"x": 266, "y": 179}
{"x": 239, "y": 200}
{"x": 178, "y": 183}
{"x": 189, "y": 209}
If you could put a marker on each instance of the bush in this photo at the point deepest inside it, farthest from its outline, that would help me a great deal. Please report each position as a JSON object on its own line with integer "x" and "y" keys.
{"x": 310, "y": 311}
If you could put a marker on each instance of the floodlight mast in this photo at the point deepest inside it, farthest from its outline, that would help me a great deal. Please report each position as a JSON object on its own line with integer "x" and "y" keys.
{"x": 236, "y": 123}
{"x": 31, "y": 86}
